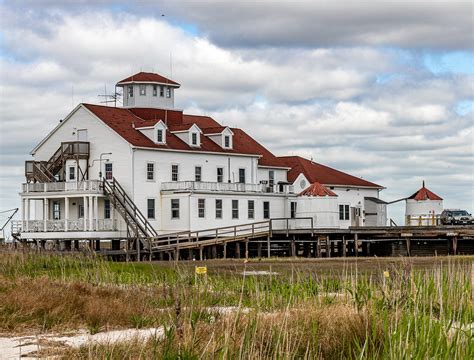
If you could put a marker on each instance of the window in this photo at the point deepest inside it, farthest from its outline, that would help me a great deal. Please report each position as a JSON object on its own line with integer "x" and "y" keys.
{"x": 56, "y": 210}
{"x": 271, "y": 178}
{"x": 235, "y": 209}
{"x": 159, "y": 135}
{"x": 174, "y": 172}
{"x": 72, "y": 173}
{"x": 108, "y": 171}
{"x": 150, "y": 208}
{"x": 202, "y": 208}
{"x": 197, "y": 173}
{"x": 227, "y": 141}
{"x": 150, "y": 171}
{"x": 266, "y": 210}
{"x": 194, "y": 138}
{"x": 162, "y": 91}
{"x": 220, "y": 174}
{"x": 343, "y": 212}
{"x": 155, "y": 90}
{"x": 106, "y": 209}
{"x": 293, "y": 209}
{"x": 175, "y": 208}
{"x": 251, "y": 209}
{"x": 168, "y": 92}
{"x": 130, "y": 91}
{"x": 142, "y": 90}
{"x": 80, "y": 211}
{"x": 242, "y": 176}
{"x": 218, "y": 209}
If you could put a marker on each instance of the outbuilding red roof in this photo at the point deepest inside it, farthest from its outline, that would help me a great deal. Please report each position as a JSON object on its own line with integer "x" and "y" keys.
{"x": 149, "y": 78}
{"x": 317, "y": 189}
{"x": 126, "y": 121}
{"x": 318, "y": 173}
{"x": 424, "y": 194}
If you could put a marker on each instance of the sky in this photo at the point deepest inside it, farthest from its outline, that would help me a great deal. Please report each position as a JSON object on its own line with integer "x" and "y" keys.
{"x": 382, "y": 90}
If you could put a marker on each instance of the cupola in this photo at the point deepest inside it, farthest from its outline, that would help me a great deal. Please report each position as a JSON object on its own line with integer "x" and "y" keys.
{"x": 148, "y": 90}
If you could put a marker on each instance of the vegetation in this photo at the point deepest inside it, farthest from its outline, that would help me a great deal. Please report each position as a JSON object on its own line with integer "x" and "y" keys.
{"x": 334, "y": 308}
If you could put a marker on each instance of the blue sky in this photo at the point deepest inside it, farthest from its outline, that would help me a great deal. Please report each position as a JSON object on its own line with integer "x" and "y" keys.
{"x": 382, "y": 90}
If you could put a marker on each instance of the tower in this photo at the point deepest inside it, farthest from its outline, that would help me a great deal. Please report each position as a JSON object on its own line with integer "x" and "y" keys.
{"x": 148, "y": 90}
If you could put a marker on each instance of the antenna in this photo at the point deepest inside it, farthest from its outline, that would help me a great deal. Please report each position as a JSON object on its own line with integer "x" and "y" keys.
{"x": 110, "y": 98}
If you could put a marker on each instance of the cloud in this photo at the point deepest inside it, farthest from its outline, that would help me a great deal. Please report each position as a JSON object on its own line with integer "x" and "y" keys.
{"x": 371, "y": 111}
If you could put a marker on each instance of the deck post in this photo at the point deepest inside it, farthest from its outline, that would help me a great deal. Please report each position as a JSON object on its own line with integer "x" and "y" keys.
{"x": 318, "y": 247}
{"x": 455, "y": 245}
{"x": 344, "y": 246}
{"x": 328, "y": 247}
{"x": 200, "y": 253}
{"x": 237, "y": 250}
{"x": 76, "y": 244}
{"x": 407, "y": 240}
{"x": 268, "y": 246}
{"x": 214, "y": 251}
{"x": 190, "y": 254}
{"x": 225, "y": 250}
{"x": 97, "y": 245}
{"x": 356, "y": 245}
{"x": 247, "y": 249}
{"x": 259, "y": 249}
{"x": 292, "y": 247}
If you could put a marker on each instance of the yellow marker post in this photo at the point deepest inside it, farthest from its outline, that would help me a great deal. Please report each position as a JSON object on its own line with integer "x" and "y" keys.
{"x": 201, "y": 270}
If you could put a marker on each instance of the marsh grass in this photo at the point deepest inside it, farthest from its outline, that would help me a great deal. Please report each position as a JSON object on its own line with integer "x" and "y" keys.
{"x": 393, "y": 310}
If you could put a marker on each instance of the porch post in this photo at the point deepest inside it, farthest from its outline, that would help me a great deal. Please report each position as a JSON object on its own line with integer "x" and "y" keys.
{"x": 86, "y": 213}
{"x": 27, "y": 212}
{"x": 96, "y": 212}
{"x": 66, "y": 213}
{"x": 90, "y": 206}
{"x": 45, "y": 213}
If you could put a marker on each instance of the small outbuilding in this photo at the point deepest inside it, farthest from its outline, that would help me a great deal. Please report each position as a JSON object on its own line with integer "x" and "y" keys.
{"x": 375, "y": 211}
{"x": 320, "y": 203}
{"x": 423, "y": 208}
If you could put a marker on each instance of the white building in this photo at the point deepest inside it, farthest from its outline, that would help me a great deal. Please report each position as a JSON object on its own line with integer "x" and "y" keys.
{"x": 169, "y": 172}
{"x": 423, "y": 208}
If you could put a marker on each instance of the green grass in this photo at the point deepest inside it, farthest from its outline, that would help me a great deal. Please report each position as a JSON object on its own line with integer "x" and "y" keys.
{"x": 328, "y": 309}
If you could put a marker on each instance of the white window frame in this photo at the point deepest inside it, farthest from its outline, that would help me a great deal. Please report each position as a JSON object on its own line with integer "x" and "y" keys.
{"x": 175, "y": 209}
{"x": 73, "y": 173}
{"x": 194, "y": 135}
{"x": 142, "y": 90}
{"x": 111, "y": 172}
{"x": 177, "y": 172}
{"x": 201, "y": 208}
{"x": 153, "y": 171}
{"x": 346, "y": 212}
{"x": 130, "y": 91}
{"x": 227, "y": 141}
{"x": 245, "y": 176}
{"x": 148, "y": 208}
{"x": 196, "y": 173}
{"x": 219, "y": 214}
{"x": 235, "y": 201}
{"x": 251, "y": 211}
{"x": 217, "y": 174}
{"x": 266, "y": 216}
{"x": 109, "y": 215}
{"x": 168, "y": 92}
{"x": 155, "y": 90}
{"x": 162, "y": 91}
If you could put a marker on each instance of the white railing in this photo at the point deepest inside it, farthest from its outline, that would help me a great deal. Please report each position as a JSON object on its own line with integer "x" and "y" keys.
{"x": 217, "y": 186}
{"x": 94, "y": 186}
{"x": 423, "y": 220}
{"x": 60, "y": 225}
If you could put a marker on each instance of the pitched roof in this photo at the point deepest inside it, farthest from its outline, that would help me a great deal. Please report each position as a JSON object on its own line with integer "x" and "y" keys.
{"x": 424, "y": 194}
{"x": 149, "y": 78}
{"x": 315, "y": 172}
{"x": 317, "y": 189}
{"x": 125, "y": 121}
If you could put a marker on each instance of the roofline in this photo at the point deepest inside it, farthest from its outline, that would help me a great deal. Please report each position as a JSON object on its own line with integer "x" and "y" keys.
{"x": 220, "y": 133}
{"x": 274, "y": 167}
{"x": 195, "y": 151}
{"x": 358, "y": 186}
{"x": 147, "y": 82}
{"x": 32, "y": 152}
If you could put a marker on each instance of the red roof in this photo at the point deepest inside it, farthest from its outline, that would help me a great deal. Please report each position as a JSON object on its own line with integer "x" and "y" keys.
{"x": 322, "y": 174}
{"x": 125, "y": 121}
{"x": 317, "y": 189}
{"x": 424, "y": 194}
{"x": 149, "y": 78}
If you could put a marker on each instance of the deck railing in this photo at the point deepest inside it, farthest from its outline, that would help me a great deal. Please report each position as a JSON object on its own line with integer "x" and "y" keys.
{"x": 36, "y": 226}
{"x": 90, "y": 186}
{"x": 423, "y": 220}
{"x": 222, "y": 186}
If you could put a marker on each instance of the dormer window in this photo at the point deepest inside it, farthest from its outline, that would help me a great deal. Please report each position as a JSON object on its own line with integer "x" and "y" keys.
{"x": 159, "y": 135}
{"x": 130, "y": 91}
{"x": 142, "y": 90}
{"x": 194, "y": 139}
{"x": 227, "y": 141}
{"x": 155, "y": 90}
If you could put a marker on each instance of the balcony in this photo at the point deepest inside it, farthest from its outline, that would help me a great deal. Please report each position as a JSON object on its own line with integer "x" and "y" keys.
{"x": 87, "y": 186}
{"x": 224, "y": 187}
{"x": 35, "y": 226}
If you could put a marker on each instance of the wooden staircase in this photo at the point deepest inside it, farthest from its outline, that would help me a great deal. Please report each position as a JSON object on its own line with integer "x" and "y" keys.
{"x": 135, "y": 220}
{"x": 47, "y": 171}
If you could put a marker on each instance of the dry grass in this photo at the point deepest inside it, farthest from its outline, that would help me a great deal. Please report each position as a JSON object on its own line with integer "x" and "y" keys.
{"x": 45, "y": 304}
